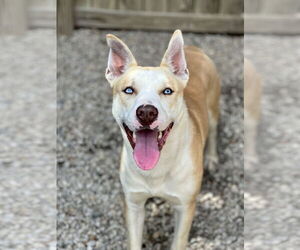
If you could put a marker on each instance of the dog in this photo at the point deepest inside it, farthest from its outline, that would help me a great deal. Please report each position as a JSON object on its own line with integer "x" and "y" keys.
{"x": 252, "y": 110}
{"x": 166, "y": 114}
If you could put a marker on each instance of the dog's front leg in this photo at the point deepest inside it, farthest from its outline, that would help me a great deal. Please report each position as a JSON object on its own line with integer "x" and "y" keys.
{"x": 184, "y": 216}
{"x": 135, "y": 213}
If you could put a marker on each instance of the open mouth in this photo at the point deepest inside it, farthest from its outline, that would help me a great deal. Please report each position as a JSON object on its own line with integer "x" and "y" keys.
{"x": 147, "y": 144}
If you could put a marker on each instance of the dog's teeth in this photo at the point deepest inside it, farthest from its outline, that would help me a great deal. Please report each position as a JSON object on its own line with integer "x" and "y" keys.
{"x": 160, "y": 135}
{"x": 134, "y": 137}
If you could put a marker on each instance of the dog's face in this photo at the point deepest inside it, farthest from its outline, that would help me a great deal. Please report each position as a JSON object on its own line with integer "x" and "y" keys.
{"x": 147, "y": 101}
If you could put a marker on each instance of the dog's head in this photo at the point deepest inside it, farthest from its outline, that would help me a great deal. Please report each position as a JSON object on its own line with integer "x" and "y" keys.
{"x": 147, "y": 101}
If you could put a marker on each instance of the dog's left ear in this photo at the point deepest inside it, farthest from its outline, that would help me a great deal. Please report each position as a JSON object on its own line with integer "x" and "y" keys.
{"x": 174, "y": 57}
{"x": 120, "y": 58}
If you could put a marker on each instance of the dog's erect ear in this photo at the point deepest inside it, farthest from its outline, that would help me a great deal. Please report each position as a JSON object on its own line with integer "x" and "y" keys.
{"x": 120, "y": 58}
{"x": 174, "y": 57}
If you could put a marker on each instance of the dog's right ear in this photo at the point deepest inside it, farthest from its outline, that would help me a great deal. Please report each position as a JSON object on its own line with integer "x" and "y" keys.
{"x": 120, "y": 58}
{"x": 174, "y": 58}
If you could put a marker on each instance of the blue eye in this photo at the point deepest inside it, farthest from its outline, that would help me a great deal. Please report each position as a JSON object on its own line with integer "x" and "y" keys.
{"x": 167, "y": 91}
{"x": 128, "y": 91}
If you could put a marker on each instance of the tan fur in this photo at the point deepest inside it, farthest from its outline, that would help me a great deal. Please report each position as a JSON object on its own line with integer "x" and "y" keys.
{"x": 202, "y": 91}
{"x": 202, "y": 96}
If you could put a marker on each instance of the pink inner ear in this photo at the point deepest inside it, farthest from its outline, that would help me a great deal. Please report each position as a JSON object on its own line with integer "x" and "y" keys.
{"x": 117, "y": 59}
{"x": 176, "y": 63}
{"x": 176, "y": 58}
{"x": 117, "y": 63}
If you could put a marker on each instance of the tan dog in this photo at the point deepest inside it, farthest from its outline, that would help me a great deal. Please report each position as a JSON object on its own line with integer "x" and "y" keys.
{"x": 252, "y": 109}
{"x": 164, "y": 114}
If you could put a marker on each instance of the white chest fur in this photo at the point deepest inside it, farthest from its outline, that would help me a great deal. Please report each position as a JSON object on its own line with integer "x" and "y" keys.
{"x": 171, "y": 178}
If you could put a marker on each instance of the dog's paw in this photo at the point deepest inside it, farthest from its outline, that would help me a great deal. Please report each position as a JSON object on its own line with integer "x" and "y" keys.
{"x": 212, "y": 162}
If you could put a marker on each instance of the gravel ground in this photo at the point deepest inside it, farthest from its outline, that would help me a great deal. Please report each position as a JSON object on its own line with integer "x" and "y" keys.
{"x": 272, "y": 218}
{"x": 27, "y": 137}
{"x": 90, "y": 208}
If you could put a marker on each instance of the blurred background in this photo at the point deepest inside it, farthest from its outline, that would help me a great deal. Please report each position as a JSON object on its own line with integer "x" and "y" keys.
{"x": 272, "y": 123}
{"x": 28, "y": 126}
{"x": 212, "y": 16}
{"x": 79, "y": 204}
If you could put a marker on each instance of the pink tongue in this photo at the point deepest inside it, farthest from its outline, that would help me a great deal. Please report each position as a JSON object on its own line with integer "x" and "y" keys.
{"x": 146, "y": 152}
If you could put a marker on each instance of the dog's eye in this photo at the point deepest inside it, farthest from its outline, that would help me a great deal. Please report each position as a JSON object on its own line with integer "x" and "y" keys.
{"x": 128, "y": 91}
{"x": 167, "y": 91}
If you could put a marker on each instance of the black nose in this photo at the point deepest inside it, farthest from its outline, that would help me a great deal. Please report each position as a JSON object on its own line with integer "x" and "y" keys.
{"x": 146, "y": 114}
